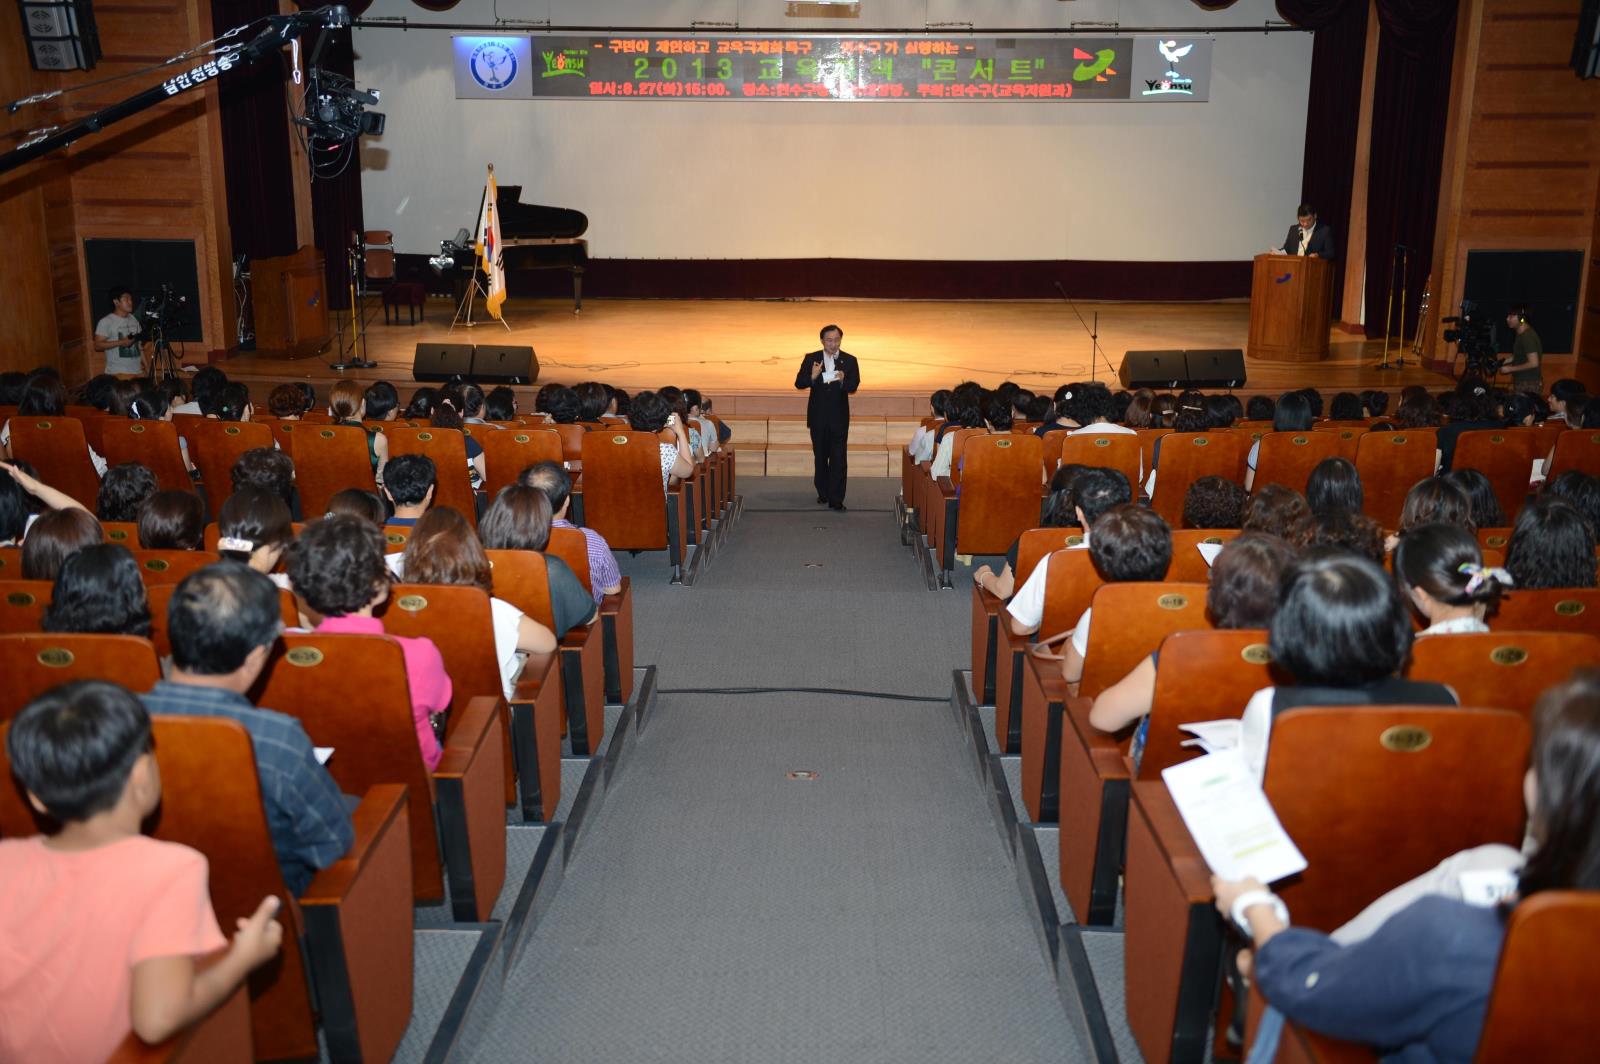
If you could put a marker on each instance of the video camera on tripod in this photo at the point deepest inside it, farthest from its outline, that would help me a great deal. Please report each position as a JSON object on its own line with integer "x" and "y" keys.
{"x": 160, "y": 315}
{"x": 1473, "y": 336}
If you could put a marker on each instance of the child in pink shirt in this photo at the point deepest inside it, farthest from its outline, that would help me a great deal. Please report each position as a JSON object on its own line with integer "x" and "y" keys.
{"x": 100, "y": 926}
{"x": 336, "y": 565}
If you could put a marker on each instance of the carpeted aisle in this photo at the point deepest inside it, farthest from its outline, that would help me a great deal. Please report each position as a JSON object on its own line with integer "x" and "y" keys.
{"x": 719, "y": 911}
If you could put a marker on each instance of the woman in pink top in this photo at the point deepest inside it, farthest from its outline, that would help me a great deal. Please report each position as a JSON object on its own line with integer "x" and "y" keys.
{"x": 101, "y": 925}
{"x": 336, "y": 565}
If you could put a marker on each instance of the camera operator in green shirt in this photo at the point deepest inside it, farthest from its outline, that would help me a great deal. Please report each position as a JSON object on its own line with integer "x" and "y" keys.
{"x": 1525, "y": 352}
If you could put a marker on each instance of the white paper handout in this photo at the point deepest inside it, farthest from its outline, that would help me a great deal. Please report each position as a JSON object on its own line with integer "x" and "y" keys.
{"x": 1230, "y": 819}
{"x": 323, "y": 753}
{"x": 1214, "y": 735}
{"x": 1209, "y": 552}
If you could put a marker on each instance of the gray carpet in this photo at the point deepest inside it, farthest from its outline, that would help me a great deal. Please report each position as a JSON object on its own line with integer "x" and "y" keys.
{"x": 440, "y": 958}
{"x": 717, "y": 910}
{"x": 1105, "y": 961}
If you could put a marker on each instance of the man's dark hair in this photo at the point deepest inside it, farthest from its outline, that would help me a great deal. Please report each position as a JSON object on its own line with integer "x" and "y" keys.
{"x": 1293, "y": 413}
{"x": 1097, "y": 489}
{"x": 1130, "y": 543}
{"x": 822, "y": 334}
{"x": 1305, "y": 210}
{"x": 1375, "y": 402}
{"x": 265, "y": 467}
{"x": 1567, "y": 389}
{"x": 550, "y": 478}
{"x": 408, "y": 477}
{"x": 998, "y": 414}
{"x": 500, "y": 404}
{"x": 43, "y": 393}
{"x": 471, "y": 400}
{"x": 1214, "y": 502}
{"x": 692, "y": 398}
{"x": 336, "y": 564}
{"x": 74, "y": 746}
{"x": 1340, "y": 623}
{"x": 1346, "y": 407}
{"x": 1259, "y": 408}
{"x": 219, "y": 614}
{"x": 117, "y": 291}
{"x": 381, "y": 398}
{"x": 562, "y": 406}
{"x": 208, "y": 384}
{"x": 123, "y": 490}
{"x": 541, "y": 398}
{"x": 594, "y": 399}
{"x": 648, "y": 412}
{"x": 99, "y": 591}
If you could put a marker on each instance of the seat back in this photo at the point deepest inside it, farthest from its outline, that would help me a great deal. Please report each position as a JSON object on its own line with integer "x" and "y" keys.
{"x": 327, "y": 460}
{"x": 10, "y": 563}
{"x": 154, "y": 443}
{"x": 212, "y": 802}
{"x": 507, "y": 452}
{"x": 522, "y": 579}
{"x": 1494, "y": 538}
{"x": 1051, "y": 443}
{"x": 160, "y": 597}
{"x": 1147, "y": 448}
{"x": 448, "y": 449}
{"x": 1576, "y": 449}
{"x": 1505, "y": 456}
{"x": 459, "y": 622}
{"x": 1188, "y": 564}
{"x": 1502, "y": 670}
{"x": 1036, "y": 544}
{"x": 1253, "y": 428}
{"x": 22, "y": 604}
{"x": 56, "y": 447}
{"x": 1188, "y": 456}
{"x": 1130, "y": 621}
{"x": 958, "y": 449}
{"x": 1201, "y": 674}
{"x": 571, "y": 441}
{"x": 1000, "y": 492}
{"x": 171, "y": 566}
{"x": 1069, "y": 587}
{"x": 1390, "y": 463}
{"x": 351, "y": 693}
{"x": 284, "y": 433}
{"x": 123, "y": 533}
{"x": 1288, "y": 458}
{"x": 572, "y": 547}
{"x": 1378, "y": 795}
{"x": 395, "y": 538}
{"x": 1546, "y": 982}
{"x": 623, "y": 498}
{"x": 1113, "y": 450}
{"x": 214, "y": 447}
{"x": 33, "y": 663}
{"x": 1561, "y": 609}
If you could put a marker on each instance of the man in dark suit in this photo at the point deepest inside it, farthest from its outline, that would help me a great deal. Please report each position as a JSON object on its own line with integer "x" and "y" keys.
{"x": 832, "y": 375}
{"x": 1309, "y": 237}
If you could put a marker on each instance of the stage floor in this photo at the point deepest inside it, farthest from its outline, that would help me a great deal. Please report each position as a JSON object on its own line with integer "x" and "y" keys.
{"x": 729, "y": 348}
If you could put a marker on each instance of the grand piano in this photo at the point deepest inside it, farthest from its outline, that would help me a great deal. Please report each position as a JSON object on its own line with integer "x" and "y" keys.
{"x": 543, "y": 238}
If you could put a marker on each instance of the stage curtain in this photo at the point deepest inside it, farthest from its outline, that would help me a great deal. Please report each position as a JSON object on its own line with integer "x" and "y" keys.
{"x": 1410, "y": 112}
{"x": 255, "y": 143}
{"x": 336, "y": 202}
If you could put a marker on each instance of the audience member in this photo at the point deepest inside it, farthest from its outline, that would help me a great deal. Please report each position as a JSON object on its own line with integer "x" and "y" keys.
{"x": 233, "y": 403}
{"x": 123, "y": 490}
{"x": 103, "y": 925}
{"x": 1374, "y": 402}
{"x": 1563, "y": 392}
{"x": 1346, "y": 407}
{"x": 1260, "y": 408}
{"x": 605, "y": 577}
{"x": 1214, "y": 502}
{"x": 347, "y": 405}
{"x": 446, "y": 416}
{"x": 98, "y": 590}
{"x": 383, "y": 402}
{"x": 921, "y": 446}
{"x": 1274, "y": 510}
{"x": 286, "y": 403}
{"x": 1475, "y": 408}
{"x": 1334, "y": 485}
{"x": 1483, "y": 503}
{"x": 472, "y": 404}
{"x": 1095, "y": 491}
{"x": 269, "y": 468}
{"x": 336, "y": 565}
{"x": 55, "y": 536}
{"x": 208, "y": 384}
{"x": 421, "y": 406}
{"x": 1551, "y": 546}
{"x": 223, "y": 622}
{"x": 1580, "y": 490}
{"x": 519, "y": 519}
{"x": 500, "y": 405}
{"x": 1294, "y": 412}
{"x": 408, "y": 484}
{"x": 357, "y": 502}
{"x": 1137, "y": 416}
{"x": 254, "y": 528}
{"x": 594, "y": 401}
{"x": 44, "y": 394}
{"x": 1060, "y": 511}
{"x": 649, "y": 412}
{"x": 172, "y": 520}
{"x": 1440, "y": 570}
{"x": 1338, "y": 531}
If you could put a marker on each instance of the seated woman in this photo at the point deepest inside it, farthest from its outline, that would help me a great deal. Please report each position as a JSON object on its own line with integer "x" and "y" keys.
{"x": 648, "y": 412}
{"x": 921, "y": 446}
{"x": 99, "y": 591}
{"x": 1579, "y": 489}
{"x": 520, "y": 519}
{"x": 123, "y": 490}
{"x": 1419, "y": 984}
{"x": 1551, "y": 546}
{"x": 1338, "y": 530}
{"x": 443, "y": 549}
{"x": 1334, "y": 485}
{"x": 1214, "y": 502}
{"x": 43, "y": 393}
{"x": 254, "y": 528}
{"x": 1060, "y": 511}
{"x": 1293, "y": 413}
{"x": 286, "y": 403}
{"x": 1341, "y": 631}
{"x": 1188, "y": 418}
{"x": 1091, "y": 492}
{"x": 347, "y": 405}
{"x": 357, "y": 502}
{"x": 421, "y": 405}
{"x": 1274, "y": 509}
{"x": 155, "y": 404}
{"x": 1243, "y": 594}
{"x": 56, "y": 536}
{"x": 1440, "y": 570}
{"x": 172, "y": 520}
{"x": 966, "y": 412}
{"x": 22, "y": 497}
{"x": 447, "y": 416}
{"x": 234, "y": 402}
{"x": 336, "y": 565}
{"x": 1433, "y": 500}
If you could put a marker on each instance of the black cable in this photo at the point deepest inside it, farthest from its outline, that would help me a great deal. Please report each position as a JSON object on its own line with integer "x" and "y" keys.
{"x": 847, "y": 691}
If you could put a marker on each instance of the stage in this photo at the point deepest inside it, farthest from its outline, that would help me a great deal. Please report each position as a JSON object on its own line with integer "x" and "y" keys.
{"x": 744, "y": 354}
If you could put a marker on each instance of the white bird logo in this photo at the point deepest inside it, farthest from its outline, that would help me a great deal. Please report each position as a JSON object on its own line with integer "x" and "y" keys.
{"x": 1172, "y": 53}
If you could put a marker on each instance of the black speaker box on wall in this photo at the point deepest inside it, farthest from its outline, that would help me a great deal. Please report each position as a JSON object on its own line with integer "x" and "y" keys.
{"x": 505, "y": 364}
{"x": 1153, "y": 369}
{"x": 441, "y": 362}
{"x": 1221, "y": 367}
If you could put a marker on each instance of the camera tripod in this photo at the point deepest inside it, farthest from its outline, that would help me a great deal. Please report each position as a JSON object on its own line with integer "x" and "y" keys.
{"x": 163, "y": 360}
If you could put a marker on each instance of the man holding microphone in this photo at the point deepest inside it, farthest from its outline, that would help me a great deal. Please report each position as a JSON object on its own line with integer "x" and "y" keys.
{"x": 832, "y": 375}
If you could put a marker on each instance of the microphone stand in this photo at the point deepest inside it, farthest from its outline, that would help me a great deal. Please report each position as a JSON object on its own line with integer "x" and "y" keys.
{"x": 1094, "y": 333}
{"x": 1400, "y": 259}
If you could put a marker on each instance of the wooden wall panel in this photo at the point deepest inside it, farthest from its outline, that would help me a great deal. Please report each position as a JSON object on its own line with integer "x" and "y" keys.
{"x": 28, "y": 327}
{"x": 1522, "y": 167}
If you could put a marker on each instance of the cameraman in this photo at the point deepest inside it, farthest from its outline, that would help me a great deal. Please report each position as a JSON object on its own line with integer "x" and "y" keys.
{"x": 1525, "y": 352}
{"x": 117, "y": 335}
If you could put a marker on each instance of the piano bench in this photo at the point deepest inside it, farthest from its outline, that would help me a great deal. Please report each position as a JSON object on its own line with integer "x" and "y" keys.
{"x": 406, "y": 294}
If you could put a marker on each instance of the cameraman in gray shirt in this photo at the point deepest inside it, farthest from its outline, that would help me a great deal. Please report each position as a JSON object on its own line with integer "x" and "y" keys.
{"x": 117, "y": 335}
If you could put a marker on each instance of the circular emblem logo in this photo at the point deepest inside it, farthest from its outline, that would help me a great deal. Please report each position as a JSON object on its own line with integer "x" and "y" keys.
{"x": 231, "y": 430}
{"x": 1201, "y": 441}
{"x": 1397, "y": 439}
{"x": 522, "y": 437}
{"x": 55, "y": 657}
{"x": 1256, "y": 654}
{"x": 157, "y": 565}
{"x": 493, "y": 65}
{"x": 20, "y": 598}
{"x": 1508, "y": 655}
{"x": 326, "y": 434}
{"x": 117, "y": 535}
{"x": 1569, "y": 607}
{"x": 304, "y": 657}
{"x": 424, "y": 436}
{"x": 286, "y": 427}
{"x": 411, "y": 603}
{"x": 1405, "y": 738}
{"x": 1172, "y": 602}
{"x": 619, "y": 439}
{"x": 394, "y": 537}
{"x": 1102, "y": 441}
{"x": 1299, "y": 441}
{"x": 1495, "y": 541}
{"x": 1002, "y": 443}
{"x": 136, "y": 428}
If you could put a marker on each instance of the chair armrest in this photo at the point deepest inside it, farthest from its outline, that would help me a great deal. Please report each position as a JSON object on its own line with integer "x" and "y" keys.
{"x": 947, "y": 487}
{"x": 1105, "y": 751}
{"x": 616, "y": 628}
{"x": 536, "y": 733}
{"x": 223, "y": 1037}
{"x": 1300, "y": 1046}
{"x": 1189, "y": 869}
{"x": 470, "y": 804}
{"x": 358, "y": 916}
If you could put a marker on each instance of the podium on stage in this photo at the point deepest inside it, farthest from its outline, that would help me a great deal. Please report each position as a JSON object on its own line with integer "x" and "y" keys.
{"x": 1290, "y": 299}
{"x": 291, "y": 311}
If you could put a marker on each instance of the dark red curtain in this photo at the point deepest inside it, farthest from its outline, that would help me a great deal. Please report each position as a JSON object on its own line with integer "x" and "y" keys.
{"x": 1410, "y": 110}
{"x": 255, "y": 143}
{"x": 336, "y": 201}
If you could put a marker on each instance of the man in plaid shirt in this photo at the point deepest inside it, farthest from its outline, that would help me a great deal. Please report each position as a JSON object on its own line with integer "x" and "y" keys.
{"x": 604, "y": 576}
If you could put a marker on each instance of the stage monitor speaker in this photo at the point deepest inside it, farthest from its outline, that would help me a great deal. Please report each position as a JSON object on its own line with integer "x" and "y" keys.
{"x": 505, "y": 364}
{"x": 1221, "y": 367}
{"x": 1153, "y": 369}
{"x": 442, "y": 362}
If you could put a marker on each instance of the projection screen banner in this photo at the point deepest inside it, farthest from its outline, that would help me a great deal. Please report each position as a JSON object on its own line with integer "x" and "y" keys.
{"x": 1061, "y": 69}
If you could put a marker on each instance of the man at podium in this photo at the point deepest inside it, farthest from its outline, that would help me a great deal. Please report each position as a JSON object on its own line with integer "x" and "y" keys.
{"x": 1308, "y": 236}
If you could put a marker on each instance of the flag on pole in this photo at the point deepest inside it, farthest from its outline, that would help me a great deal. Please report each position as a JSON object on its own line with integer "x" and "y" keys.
{"x": 489, "y": 248}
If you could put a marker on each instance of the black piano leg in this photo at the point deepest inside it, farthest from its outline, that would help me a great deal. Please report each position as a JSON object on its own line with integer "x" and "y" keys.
{"x": 577, "y": 290}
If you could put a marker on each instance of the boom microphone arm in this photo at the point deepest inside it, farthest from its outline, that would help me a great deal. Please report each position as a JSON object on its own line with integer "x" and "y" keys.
{"x": 281, "y": 29}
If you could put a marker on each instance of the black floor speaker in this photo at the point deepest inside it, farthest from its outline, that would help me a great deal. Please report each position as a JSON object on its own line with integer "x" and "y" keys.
{"x": 442, "y": 362}
{"x": 1153, "y": 369}
{"x": 1218, "y": 367}
{"x": 1221, "y": 367}
{"x": 505, "y": 364}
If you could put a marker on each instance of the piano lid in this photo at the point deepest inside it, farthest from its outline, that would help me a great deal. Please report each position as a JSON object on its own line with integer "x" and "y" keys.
{"x": 520, "y": 220}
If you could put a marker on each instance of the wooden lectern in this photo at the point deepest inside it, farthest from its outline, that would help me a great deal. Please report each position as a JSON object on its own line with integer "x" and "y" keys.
{"x": 1290, "y": 297}
{"x": 291, "y": 304}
